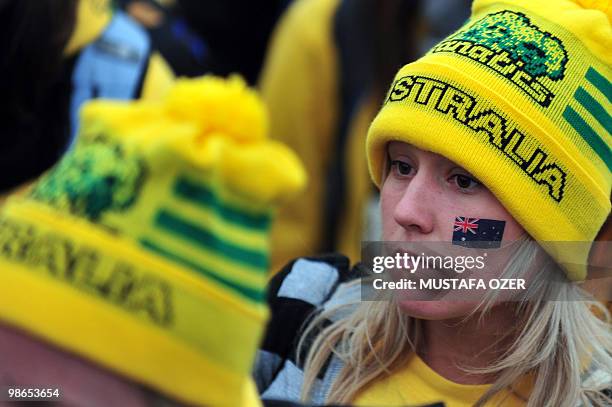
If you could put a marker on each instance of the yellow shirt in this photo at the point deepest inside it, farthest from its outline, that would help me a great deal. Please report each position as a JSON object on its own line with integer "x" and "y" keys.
{"x": 417, "y": 384}
{"x": 299, "y": 83}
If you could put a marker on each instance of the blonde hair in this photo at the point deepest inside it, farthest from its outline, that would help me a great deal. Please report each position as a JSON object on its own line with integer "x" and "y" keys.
{"x": 554, "y": 341}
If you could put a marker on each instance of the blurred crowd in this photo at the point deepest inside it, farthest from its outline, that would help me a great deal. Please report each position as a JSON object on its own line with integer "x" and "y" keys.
{"x": 322, "y": 68}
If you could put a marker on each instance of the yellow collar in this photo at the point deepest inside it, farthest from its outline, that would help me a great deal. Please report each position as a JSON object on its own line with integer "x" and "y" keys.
{"x": 92, "y": 18}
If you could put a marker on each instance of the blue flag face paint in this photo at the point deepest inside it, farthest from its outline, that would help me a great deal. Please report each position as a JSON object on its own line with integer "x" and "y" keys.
{"x": 478, "y": 233}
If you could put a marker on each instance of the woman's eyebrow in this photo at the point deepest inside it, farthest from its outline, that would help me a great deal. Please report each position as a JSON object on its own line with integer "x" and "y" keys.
{"x": 458, "y": 167}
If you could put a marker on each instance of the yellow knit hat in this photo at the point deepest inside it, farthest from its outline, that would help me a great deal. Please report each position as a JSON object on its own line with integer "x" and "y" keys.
{"x": 92, "y": 17}
{"x": 521, "y": 97}
{"x": 146, "y": 248}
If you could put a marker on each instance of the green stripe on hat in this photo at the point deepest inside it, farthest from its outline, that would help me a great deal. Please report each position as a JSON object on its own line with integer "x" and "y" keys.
{"x": 248, "y": 292}
{"x": 202, "y": 196}
{"x": 594, "y": 107}
{"x": 589, "y": 135}
{"x": 198, "y": 235}
{"x": 600, "y": 82}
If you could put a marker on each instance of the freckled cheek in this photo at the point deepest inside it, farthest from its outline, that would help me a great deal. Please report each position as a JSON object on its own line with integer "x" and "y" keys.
{"x": 494, "y": 210}
{"x": 388, "y": 204}
{"x": 390, "y": 229}
{"x": 446, "y": 211}
{"x": 513, "y": 229}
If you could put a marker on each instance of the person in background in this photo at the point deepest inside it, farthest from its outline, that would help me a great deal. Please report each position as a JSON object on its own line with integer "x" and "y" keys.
{"x": 186, "y": 53}
{"x": 236, "y": 32}
{"x": 89, "y": 51}
{"x": 133, "y": 273}
{"x": 325, "y": 75}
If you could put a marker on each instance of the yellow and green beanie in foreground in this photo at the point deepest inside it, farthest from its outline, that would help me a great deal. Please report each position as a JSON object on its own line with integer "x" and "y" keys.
{"x": 521, "y": 97}
{"x": 145, "y": 249}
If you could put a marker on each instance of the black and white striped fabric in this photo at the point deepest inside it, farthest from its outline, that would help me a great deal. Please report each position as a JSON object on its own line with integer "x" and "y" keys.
{"x": 302, "y": 288}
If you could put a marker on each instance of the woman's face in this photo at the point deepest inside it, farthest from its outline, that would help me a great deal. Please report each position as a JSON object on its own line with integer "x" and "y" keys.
{"x": 421, "y": 197}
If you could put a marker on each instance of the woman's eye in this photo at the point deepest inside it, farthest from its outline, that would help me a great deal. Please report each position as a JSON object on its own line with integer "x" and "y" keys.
{"x": 401, "y": 168}
{"x": 465, "y": 182}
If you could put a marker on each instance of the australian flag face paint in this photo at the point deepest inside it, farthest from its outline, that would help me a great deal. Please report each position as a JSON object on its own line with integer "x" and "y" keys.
{"x": 479, "y": 233}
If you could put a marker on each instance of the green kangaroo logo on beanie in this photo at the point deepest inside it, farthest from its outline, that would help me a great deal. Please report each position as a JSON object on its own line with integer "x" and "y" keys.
{"x": 96, "y": 177}
{"x": 540, "y": 52}
{"x": 509, "y": 44}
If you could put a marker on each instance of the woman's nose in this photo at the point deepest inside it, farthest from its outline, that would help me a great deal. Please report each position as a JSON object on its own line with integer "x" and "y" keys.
{"x": 415, "y": 210}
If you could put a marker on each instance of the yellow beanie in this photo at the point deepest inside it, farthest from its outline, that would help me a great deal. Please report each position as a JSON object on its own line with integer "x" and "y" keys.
{"x": 521, "y": 97}
{"x": 92, "y": 17}
{"x": 145, "y": 249}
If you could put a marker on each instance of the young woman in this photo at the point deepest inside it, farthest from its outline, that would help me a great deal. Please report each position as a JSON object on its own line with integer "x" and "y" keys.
{"x": 501, "y": 122}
